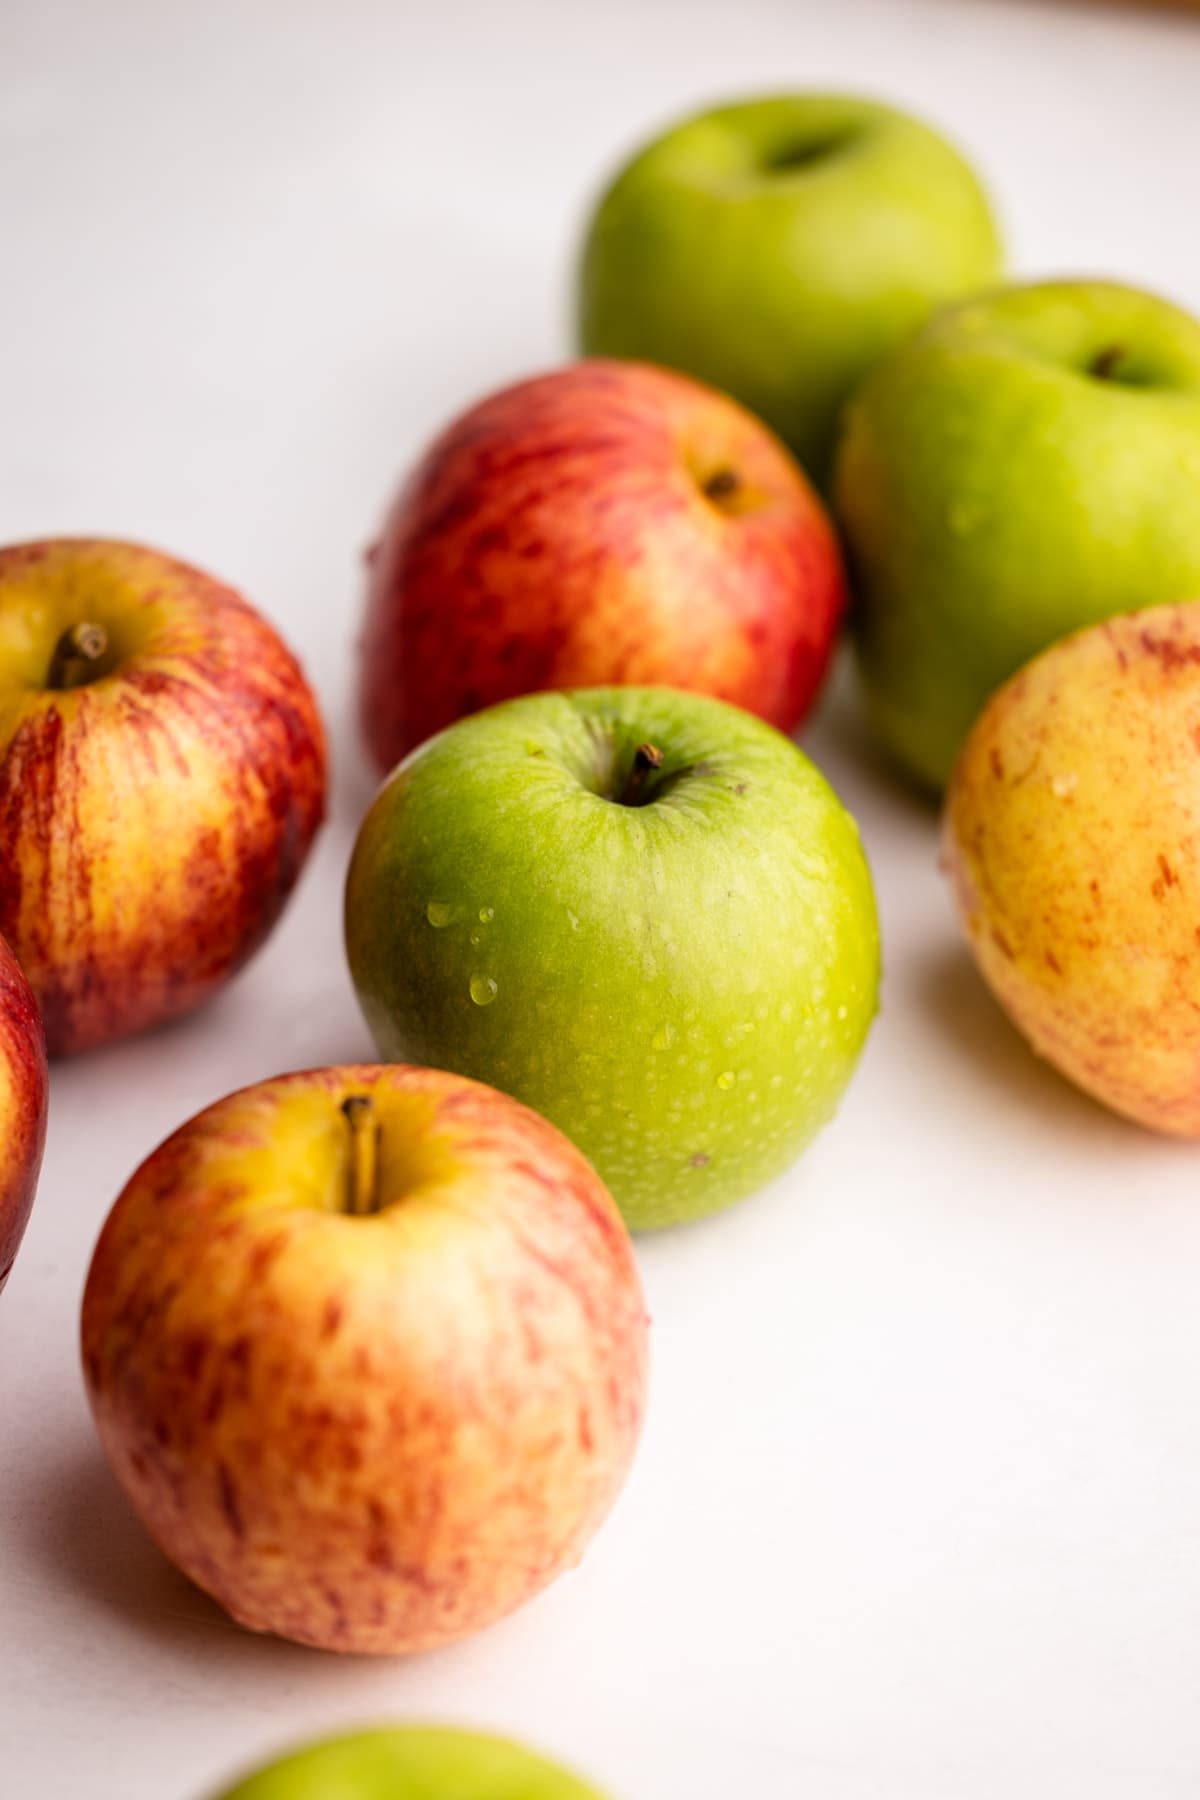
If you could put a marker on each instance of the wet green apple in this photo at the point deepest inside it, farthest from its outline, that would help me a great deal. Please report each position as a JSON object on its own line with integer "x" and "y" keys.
{"x": 1025, "y": 466}
{"x": 411, "y": 1763}
{"x": 777, "y": 247}
{"x": 643, "y": 912}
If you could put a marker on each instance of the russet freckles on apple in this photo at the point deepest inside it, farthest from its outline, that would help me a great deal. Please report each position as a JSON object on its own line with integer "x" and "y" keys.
{"x": 162, "y": 776}
{"x": 607, "y": 522}
{"x": 366, "y": 1348}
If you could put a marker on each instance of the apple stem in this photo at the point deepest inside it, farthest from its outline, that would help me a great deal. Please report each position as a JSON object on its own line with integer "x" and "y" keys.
{"x": 1106, "y": 360}
{"x": 722, "y": 485}
{"x": 646, "y": 758}
{"x": 76, "y": 654}
{"x": 362, "y": 1186}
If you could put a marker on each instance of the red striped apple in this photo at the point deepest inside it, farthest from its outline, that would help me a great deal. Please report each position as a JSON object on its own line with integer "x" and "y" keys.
{"x": 22, "y": 1105}
{"x": 609, "y": 523}
{"x": 366, "y": 1348}
{"x": 162, "y": 775}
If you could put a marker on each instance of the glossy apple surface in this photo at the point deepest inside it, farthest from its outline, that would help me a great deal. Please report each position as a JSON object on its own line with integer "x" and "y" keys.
{"x": 162, "y": 775}
{"x": 605, "y": 523}
{"x": 778, "y": 247}
{"x": 412, "y": 1763}
{"x": 366, "y": 1349}
{"x": 1072, "y": 839}
{"x": 677, "y": 964}
{"x": 1027, "y": 465}
{"x": 23, "y": 1099}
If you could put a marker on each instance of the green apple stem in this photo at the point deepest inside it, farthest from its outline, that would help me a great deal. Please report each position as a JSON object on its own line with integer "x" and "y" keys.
{"x": 362, "y": 1186}
{"x": 646, "y": 758}
{"x": 76, "y": 654}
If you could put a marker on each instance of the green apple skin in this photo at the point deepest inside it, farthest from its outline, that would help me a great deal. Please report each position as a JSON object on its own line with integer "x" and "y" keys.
{"x": 682, "y": 985}
{"x": 778, "y": 247}
{"x": 1028, "y": 464}
{"x": 411, "y": 1763}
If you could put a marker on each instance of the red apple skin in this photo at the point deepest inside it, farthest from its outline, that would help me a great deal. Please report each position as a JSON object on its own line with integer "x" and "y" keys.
{"x": 372, "y": 1434}
{"x": 23, "y": 1101}
{"x": 153, "y": 822}
{"x": 559, "y": 535}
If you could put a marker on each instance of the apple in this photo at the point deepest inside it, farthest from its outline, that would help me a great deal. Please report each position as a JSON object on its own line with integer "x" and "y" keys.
{"x": 162, "y": 774}
{"x": 413, "y": 1762}
{"x": 1026, "y": 465}
{"x": 777, "y": 247}
{"x": 605, "y": 523}
{"x": 641, "y": 911}
{"x": 366, "y": 1349}
{"x": 23, "y": 1100}
{"x": 1072, "y": 839}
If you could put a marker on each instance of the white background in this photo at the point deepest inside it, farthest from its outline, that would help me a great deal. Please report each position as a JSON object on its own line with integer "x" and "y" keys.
{"x": 917, "y": 1512}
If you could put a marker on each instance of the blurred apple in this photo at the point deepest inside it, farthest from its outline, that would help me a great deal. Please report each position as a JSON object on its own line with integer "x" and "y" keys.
{"x": 366, "y": 1348}
{"x": 162, "y": 775}
{"x": 778, "y": 247}
{"x": 22, "y": 1105}
{"x": 606, "y": 523}
{"x": 414, "y": 1762}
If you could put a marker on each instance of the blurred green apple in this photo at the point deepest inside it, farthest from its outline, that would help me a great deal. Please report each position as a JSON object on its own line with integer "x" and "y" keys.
{"x": 1026, "y": 465}
{"x": 777, "y": 247}
{"x": 411, "y": 1763}
{"x": 641, "y": 911}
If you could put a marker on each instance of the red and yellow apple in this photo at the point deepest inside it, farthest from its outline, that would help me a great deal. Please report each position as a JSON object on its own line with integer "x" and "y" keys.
{"x": 162, "y": 775}
{"x": 609, "y": 523}
{"x": 366, "y": 1348}
{"x": 23, "y": 1096}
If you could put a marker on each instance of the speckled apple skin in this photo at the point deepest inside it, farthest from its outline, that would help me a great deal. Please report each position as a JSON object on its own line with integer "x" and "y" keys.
{"x": 23, "y": 1102}
{"x": 154, "y": 822}
{"x": 1072, "y": 840}
{"x": 558, "y": 535}
{"x": 371, "y": 1434}
{"x": 414, "y": 1762}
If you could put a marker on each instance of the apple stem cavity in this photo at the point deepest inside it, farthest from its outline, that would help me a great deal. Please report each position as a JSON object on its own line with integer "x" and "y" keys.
{"x": 362, "y": 1185}
{"x": 76, "y": 655}
{"x": 646, "y": 758}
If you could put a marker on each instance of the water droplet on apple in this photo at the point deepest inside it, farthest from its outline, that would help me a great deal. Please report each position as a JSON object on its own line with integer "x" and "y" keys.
{"x": 486, "y": 914}
{"x": 477, "y": 937}
{"x": 726, "y": 1079}
{"x": 483, "y": 990}
{"x": 439, "y": 913}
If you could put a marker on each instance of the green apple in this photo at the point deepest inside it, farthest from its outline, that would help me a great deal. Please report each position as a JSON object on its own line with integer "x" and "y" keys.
{"x": 1026, "y": 465}
{"x": 778, "y": 247}
{"x": 411, "y": 1763}
{"x": 641, "y": 911}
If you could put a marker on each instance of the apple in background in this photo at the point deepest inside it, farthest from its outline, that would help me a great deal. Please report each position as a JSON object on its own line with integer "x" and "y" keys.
{"x": 606, "y": 523}
{"x": 366, "y": 1349}
{"x": 162, "y": 775}
{"x": 642, "y": 912}
{"x": 777, "y": 247}
{"x": 1072, "y": 838}
{"x": 413, "y": 1762}
{"x": 1025, "y": 466}
{"x": 23, "y": 1100}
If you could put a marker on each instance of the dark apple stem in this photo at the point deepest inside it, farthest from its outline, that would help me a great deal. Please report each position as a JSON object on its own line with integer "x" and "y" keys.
{"x": 1105, "y": 362}
{"x": 646, "y": 758}
{"x": 76, "y": 654}
{"x": 362, "y": 1186}
{"x": 722, "y": 485}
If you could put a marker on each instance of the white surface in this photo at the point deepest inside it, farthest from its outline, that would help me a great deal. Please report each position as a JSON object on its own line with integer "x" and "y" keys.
{"x": 917, "y": 1512}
